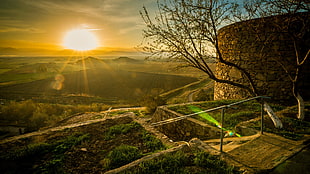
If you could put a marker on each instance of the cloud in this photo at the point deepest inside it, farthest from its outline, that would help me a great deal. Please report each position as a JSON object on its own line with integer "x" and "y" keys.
{"x": 9, "y": 25}
{"x": 69, "y": 7}
{"x": 114, "y": 18}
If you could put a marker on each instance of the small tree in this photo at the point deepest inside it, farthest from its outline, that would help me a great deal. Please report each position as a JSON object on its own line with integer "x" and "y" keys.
{"x": 296, "y": 26}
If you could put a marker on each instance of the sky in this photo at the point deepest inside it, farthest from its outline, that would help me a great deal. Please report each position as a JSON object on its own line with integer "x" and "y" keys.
{"x": 43, "y": 23}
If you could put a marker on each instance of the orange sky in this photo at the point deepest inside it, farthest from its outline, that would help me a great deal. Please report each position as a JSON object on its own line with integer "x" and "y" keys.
{"x": 43, "y": 23}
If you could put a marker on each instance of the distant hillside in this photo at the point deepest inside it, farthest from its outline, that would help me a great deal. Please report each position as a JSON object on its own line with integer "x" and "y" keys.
{"x": 89, "y": 59}
{"x": 106, "y": 83}
{"x": 94, "y": 62}
{"x": 126, "y": 60}
{"x": 35, "y": 68}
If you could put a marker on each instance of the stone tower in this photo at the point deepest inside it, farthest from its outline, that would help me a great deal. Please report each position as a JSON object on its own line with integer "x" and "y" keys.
{"x": 259, "y": 46}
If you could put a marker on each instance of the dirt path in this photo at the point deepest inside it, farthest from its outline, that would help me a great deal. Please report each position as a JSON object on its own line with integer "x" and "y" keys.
{"x": 264, "y": 152}
{"x": 192, "y": 93}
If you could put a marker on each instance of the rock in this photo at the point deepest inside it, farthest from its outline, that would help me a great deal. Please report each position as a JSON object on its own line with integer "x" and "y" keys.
{"x": 84, "y": 149}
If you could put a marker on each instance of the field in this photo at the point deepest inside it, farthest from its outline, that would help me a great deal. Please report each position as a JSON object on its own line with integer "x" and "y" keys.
{"x": 87, "y": 80}
{"x": 40, "y": 91}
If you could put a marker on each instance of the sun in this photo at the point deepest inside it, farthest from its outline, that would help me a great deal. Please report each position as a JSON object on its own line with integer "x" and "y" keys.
{"x": 80, "y": 40}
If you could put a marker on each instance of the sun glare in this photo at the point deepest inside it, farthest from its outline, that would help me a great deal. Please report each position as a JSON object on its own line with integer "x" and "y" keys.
{"x": 80, "y": 40}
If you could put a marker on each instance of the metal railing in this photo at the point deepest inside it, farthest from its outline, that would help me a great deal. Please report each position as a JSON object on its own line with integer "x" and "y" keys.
{"x": 223, "y": 107}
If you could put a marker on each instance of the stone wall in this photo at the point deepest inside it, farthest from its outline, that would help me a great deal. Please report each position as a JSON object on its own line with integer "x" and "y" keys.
{"x": 185, "y": 129}
{"x": 258, "y": 46}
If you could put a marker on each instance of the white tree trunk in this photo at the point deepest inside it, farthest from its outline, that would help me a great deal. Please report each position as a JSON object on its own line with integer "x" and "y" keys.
{"x": 301, "y": 107}
{"x": 275, "y": 119}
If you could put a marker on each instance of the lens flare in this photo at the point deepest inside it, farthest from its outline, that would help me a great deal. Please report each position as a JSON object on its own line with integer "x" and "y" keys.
{"x": 58, "y": 82}
{"x": 208, "y": 117}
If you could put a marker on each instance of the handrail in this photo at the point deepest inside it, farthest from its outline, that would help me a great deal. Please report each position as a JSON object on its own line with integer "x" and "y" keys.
{"x": 222, "y": 116}
{"x": 171, "y": 120}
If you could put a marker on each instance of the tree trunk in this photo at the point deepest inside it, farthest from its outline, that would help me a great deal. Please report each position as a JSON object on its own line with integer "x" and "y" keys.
{"x": 275, "y": 119}
{"x": 301, "y": 107}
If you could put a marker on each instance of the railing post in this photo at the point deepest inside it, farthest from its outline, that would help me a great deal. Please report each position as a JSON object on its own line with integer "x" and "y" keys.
{"x": 222, "y": 131}
{"x": 262, "y": 118}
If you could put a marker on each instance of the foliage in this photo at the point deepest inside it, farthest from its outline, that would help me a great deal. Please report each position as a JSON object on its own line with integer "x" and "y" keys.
{"x": 216, "y": 165}
{"x": 121, "y": 129}
{"x": 54, "y": 165}
{"x": 169, "y": 163}
{"x": 293, "y": 128}
{"x": 36, "y": 115}
{"x": 233, "y": 115}
{"x": 122, "y": 155}
{"x": 28, "y": 151}
{"x": 151, "y": 142}
{"x": 57, "y": 149}
{"x": 151, "y": 102}
{"x": 184, "y": 163}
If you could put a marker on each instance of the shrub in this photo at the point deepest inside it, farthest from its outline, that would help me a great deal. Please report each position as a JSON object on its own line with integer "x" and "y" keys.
{"x": 169, "y": 163}
{"x": 120, "y": 129}
{"x": 151, "y": 142}
{"x": 181, "y": 162}
{"x": 54, "y": 165}
{"x": 151, "y": 102}
{"x": 122, "y": 155}
{"x": 36, "y": 115}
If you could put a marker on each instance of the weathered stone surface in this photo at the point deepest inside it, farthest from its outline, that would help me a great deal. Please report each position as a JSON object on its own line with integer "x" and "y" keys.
{"x": 258, "y": 46}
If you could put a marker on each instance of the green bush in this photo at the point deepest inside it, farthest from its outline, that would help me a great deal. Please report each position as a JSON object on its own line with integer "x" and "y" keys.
{"x": 54, "y": 165}
{"x": 151, "y": 142}
{"x": 169, "y": 163}
{"x": 151, "y": 102}
{"x": 121, "y": 129}
{"x": 122, "y": 155}
{"x": 36, "y": 115}
{"x": 183, "y": 163}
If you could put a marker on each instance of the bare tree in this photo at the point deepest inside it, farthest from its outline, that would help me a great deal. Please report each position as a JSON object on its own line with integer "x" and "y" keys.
{"x": 187, "y": 31}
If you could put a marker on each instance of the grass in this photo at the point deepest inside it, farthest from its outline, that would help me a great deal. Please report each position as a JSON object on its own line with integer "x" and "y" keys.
{"x": 233, "y": 115}
{"x": 121, "y": 129}
{"x": 150, "y": 142}
{"x": 56, "y": 150}
{"x": 121, "y": 155}
{"x": 183, "y": 163}
{"x": 54, "y": 165}
{"x": 34, "y": 115}
{"x": 292, "y": 127}
{"x": 61, "y": 152}
{"x": 109, "y": 83}
{"x": 240, "y": 113}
